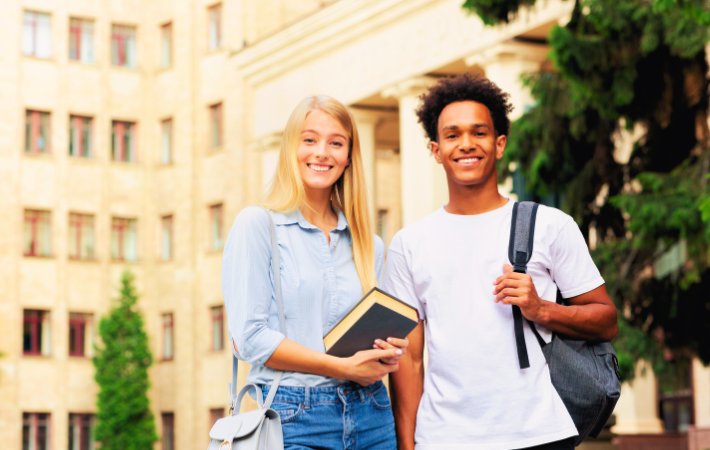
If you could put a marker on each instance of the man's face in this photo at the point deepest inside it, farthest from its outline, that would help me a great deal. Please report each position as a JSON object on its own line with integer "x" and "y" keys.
{"x": 468, "y": 147}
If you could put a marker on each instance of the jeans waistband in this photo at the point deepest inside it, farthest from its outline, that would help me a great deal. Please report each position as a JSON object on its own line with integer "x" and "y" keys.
{"x": 346, "y": 392}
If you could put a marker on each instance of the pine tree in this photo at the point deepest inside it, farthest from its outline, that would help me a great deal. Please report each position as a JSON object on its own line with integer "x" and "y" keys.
{"x": 125, "y": 421}
{"x": 627, "y": 65}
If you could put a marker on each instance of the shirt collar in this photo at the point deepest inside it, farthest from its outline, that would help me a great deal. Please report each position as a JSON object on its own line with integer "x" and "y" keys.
{"x": 297, "y": 217}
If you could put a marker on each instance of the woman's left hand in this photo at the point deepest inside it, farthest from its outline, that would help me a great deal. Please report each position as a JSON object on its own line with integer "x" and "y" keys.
{"x": 392, "y": 343}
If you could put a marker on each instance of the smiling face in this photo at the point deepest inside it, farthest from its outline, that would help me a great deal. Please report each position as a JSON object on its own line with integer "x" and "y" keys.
{"x": 323, "y": 152}
{"x": 468, "y": 146}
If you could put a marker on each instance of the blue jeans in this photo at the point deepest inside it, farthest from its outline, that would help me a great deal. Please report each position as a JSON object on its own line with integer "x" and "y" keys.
{"x": 347, "y": 417}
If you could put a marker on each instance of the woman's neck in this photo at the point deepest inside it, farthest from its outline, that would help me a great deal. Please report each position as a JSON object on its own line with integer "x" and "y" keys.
{"x": 319, "y": 211}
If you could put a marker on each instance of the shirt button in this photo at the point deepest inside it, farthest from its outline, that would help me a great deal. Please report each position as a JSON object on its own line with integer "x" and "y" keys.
{"x": 330, "y": 269}
{"x": 333, "y": 297}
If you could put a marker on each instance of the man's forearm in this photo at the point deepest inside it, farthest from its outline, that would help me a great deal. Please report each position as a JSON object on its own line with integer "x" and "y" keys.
{"x": 406, "y": 389}
{"x": 590, "y": 316}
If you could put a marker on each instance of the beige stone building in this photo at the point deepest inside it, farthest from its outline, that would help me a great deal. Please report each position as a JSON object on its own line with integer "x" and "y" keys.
{"x": 134, "y": 132}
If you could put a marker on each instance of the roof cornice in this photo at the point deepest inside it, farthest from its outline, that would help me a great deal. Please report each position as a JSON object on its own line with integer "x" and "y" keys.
{"x": 331, "y": 27}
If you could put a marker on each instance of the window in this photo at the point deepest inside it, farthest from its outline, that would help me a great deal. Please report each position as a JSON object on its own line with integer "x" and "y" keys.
{"x": 37, "y": 34}
{"x": 81, "y": 40}
{"x": 216, "y": 125}
{"x": 215, "y": 415}
{"x": 168, "y": 336}
{"x": 35, "y": 431}
{"x": 123, "y": 46}
{"x": 215, "y": 26}
{"x": 36, "y": 132}
{"x": 167, "y": 237}
{"x": 37, "y": 233}
{"x": 36, "y": 333}
{"x": 382, "y": 224}
{"x": 217, "y": 328}
{"x": 124, "y": 239}
{"x": 166, "y": 141}
{"x": 81, "y": 236}
{"x": 80, "y": 334}
{"x": 80, "y": 136}
{"x": 168, "y": 431}
{"x": 81, "y": 431}
{"x": 123, "y": 141}
{"x": 216, "y": 227}
{"x": 166, "y": 45}
{"x": 675, "y": 396}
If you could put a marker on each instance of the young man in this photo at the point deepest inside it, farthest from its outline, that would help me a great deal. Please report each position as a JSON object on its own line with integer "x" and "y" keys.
{"x": 453, "y": 267}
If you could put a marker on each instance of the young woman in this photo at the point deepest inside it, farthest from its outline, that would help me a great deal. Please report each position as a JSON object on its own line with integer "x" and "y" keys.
{"x": 329, "y": 258}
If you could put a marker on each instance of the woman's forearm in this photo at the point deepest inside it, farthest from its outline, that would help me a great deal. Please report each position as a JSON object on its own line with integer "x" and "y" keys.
{"x": 296, "y": 358}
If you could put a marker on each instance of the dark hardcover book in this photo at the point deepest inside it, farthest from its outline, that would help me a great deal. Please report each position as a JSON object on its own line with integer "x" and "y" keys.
{"x": 377, "y": 316}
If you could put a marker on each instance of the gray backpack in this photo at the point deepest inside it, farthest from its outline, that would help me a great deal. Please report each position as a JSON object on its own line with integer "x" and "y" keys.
{"x": 259, "y": 429}
{"x": 585, "y": 374}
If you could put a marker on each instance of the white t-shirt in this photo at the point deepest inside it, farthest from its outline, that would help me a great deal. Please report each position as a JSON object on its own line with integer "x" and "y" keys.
{"x": 475, "y": 394}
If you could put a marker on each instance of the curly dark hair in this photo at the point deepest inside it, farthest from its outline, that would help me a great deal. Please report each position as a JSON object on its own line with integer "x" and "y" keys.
{"x": 463, "y": 88}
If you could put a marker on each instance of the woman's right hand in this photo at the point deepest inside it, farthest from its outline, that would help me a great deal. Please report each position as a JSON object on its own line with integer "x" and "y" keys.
{"x": 365, "y": 368}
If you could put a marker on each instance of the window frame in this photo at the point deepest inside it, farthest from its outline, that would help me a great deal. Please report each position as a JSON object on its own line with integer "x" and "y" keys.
{"x": 75, "y": 420}
{"x": 168, "y": 324}
{"x": 119, "y": 34}
{"x": 217, "y": 10}
{"x": 33, "y": 425}
{"x": 217, "y": 210}
{"x": 76, "y": 127}
{"x": 121, "y": 224}
{"x": 118, "y": 135}
{"x": 39, "y": 216}
{"x": 35, "y": 28}
{"x": 84, "y": 321}
{"x": 166, "y": 29}
{"x": 217, "y": 320}
{"x": 35, "y": 126}
{"x": 77, "y": 30}
{"x": 216, "y": 120}
{"x": 84, "y": 223}
{"x": 168, "y": 426}
{"x": 166, "y": 220}
{"x": 37, "y": 320}
{"x": 166, "y": 128}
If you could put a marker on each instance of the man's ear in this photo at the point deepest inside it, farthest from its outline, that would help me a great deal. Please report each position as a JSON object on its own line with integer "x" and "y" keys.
{"x": 434, "y": 146}
{"x": 500, "y": 145}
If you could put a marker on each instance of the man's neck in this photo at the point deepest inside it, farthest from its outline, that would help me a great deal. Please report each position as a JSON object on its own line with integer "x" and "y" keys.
{"x": 475, "y": 199}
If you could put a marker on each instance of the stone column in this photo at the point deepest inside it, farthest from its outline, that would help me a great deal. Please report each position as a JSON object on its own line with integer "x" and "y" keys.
{"x": 504, "y": 64}
{"x": 424, "y": 187}
{"x": 366, "y": 121}
{"x": 637, "y": 409}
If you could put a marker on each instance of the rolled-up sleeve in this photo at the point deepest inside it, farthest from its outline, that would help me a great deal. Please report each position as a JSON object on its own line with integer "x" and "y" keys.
{"x": 247, "y": 286}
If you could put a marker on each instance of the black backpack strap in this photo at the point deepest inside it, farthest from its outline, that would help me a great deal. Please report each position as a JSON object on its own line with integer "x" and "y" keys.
{"x": 520, "y": 248}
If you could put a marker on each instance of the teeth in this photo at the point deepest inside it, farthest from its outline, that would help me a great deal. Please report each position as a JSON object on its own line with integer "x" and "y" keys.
{"x": 319, "y": 168}
{"x": 467, "y": 160}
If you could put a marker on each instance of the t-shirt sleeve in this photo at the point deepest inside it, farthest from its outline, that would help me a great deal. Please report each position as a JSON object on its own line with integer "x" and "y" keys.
{"x": 573, "y": 269}
{"x": 398, "y": 277}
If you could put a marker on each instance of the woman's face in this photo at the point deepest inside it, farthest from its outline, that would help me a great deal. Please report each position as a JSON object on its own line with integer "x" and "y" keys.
{"x": 323, "y": 152}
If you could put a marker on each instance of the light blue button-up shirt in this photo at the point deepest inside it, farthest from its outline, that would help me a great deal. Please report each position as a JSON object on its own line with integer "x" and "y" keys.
{"x": 319, "y": 284}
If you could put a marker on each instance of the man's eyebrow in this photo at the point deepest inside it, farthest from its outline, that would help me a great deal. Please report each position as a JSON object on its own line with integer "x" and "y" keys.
{"x": 456, "y": 127}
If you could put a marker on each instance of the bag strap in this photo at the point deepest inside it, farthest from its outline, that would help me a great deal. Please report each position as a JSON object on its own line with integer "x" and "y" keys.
{"x": 520, "y": 249}
{"x": 234, "y": 402}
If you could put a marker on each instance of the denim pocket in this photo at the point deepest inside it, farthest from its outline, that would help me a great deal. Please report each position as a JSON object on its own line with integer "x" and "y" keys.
{"x": 380, "y": 399}
{"x": 288, "y": 412}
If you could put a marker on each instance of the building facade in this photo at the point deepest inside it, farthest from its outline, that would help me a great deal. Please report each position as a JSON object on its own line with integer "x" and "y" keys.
{"x": 134, "y": 132}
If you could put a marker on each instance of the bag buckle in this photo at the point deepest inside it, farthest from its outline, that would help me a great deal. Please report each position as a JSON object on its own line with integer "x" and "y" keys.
{"x": 229, "y": 443}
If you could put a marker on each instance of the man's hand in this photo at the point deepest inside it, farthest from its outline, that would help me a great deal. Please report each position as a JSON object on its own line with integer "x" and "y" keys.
{"x": 513, "y": 288}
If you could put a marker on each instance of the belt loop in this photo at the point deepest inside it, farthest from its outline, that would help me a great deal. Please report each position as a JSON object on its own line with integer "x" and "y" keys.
{"x": 307, "y": 400}
{"x": 360, "y": 391}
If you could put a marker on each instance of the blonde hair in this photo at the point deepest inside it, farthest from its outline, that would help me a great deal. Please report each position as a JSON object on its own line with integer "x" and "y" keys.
{"x": 286, "y": 191}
